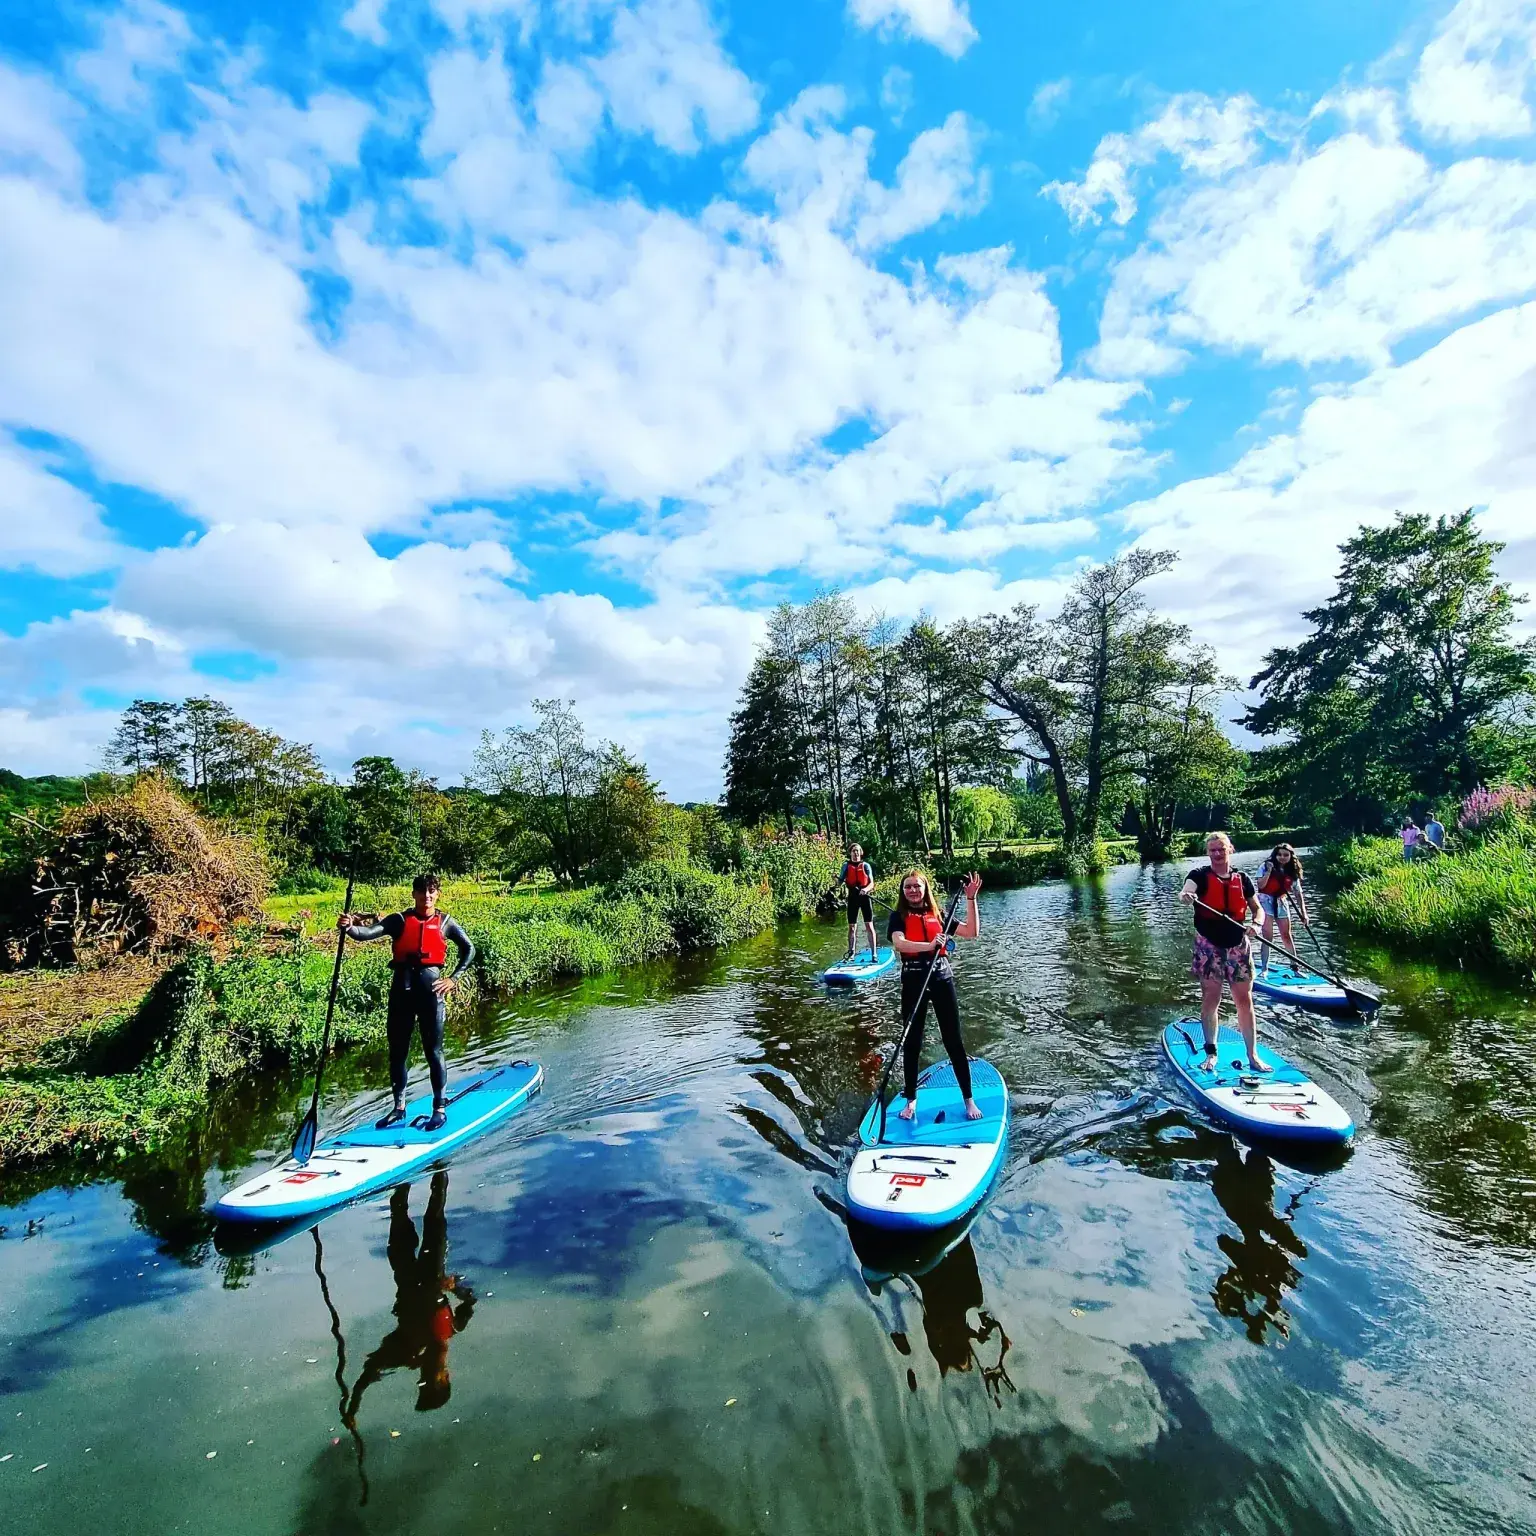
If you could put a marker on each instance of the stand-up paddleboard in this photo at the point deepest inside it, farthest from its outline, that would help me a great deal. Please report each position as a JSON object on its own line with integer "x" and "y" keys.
{"x": 358, "y": 1161}
{"x": 1286, "y": 984}
{"x": 1283, "y": 1104}
{"x": 929, "y": 1171}
{"x": 849, "y": 973}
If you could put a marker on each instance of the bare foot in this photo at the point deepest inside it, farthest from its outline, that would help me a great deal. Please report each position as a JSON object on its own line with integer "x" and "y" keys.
{"x": 1258, "y": 1066}
{"x": 910, "y": 1112}
{"x": 972, "y": 1110}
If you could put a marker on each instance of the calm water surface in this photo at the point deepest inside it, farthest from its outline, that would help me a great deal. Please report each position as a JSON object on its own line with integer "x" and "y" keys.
{"x": 637, "y": 1308}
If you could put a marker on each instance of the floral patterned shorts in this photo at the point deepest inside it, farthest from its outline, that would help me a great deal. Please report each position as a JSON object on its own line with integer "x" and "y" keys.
{"x": 1235, "y": 964}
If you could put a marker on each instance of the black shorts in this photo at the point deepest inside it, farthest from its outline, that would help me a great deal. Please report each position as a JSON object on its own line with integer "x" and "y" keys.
{"x": 860, "y": 905}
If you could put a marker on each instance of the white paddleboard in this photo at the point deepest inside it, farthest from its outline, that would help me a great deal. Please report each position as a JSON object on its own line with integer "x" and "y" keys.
{"x": 363, "y": 1159}
{"x": 848, "y": 973}
{"x": 929, "y": 1171}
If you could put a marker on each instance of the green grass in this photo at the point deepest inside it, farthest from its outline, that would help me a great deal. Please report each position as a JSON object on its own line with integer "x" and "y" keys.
{"x": 134, "y": 1082}
{"x": 1477, "y": 904}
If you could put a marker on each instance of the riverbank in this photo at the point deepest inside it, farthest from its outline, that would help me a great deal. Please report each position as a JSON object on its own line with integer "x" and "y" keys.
{"x": 1475, "y": 905}
{"x": 127, "y": 1072}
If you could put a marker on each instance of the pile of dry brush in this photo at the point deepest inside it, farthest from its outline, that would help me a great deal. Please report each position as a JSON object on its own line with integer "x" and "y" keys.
{"x": 139, "y": 873}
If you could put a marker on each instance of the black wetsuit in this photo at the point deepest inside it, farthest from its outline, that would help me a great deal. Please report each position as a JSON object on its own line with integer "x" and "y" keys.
{"x": 946, "y": 1007}
{"x": 413, "y": 1004}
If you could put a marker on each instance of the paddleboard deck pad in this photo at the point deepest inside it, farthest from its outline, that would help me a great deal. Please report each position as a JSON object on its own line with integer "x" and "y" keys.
{"x": 363, "y": 1159}
{"x": 1283, "y": 1104}
{"x": 1287, "y": 985}
{"x": 930, "y": 1171}
{"x": 848, "y": 973}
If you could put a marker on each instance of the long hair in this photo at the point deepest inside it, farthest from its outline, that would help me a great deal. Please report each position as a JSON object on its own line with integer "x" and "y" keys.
{"x": 903, "y": 906}
{"x": 1274, "y": 858}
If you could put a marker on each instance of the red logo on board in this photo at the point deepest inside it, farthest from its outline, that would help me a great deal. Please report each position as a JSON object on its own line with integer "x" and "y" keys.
{"x": 909, "y": 1178}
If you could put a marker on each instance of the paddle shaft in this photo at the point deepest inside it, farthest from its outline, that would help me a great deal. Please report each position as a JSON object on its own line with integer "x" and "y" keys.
{"x": 1350, "y": 992}
{"x": 330, "y": 1008}
{"x": 917, "y": 1009}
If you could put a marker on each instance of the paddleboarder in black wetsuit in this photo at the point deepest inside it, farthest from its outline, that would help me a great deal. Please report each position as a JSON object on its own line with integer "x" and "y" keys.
{"x": 418, "y": 989}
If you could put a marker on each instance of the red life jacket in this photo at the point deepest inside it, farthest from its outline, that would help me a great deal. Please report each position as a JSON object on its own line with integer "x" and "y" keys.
{"x": 921, "y": 927}
{"x": 1276, "y": 883}
{"x": 1229, "y": 900}
{"x": 421, "y": 943}
{"x": 442, "y": 1322}
{"x": 856, "y": 876}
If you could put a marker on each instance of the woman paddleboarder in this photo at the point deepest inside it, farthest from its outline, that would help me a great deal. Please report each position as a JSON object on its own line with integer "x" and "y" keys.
{"x": 1280, "y": 888}
{"x": 859, "y": 880}
{"x": 1226, "y": 912}
{"x": 917, "y": 934}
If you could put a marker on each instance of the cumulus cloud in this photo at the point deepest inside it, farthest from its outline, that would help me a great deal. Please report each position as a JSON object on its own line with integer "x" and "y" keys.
{"x": 1206, "y": 137}
{"x": 944, "y": 23}
{"x": 46, "y": 525}
{"x": 1475, "y": 79}
{"x": 1337, "y": 251}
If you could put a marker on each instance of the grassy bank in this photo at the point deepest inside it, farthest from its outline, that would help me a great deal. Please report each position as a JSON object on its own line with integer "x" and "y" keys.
{"x": 1475, "y": 905}
{"x": 128, "y": 1079}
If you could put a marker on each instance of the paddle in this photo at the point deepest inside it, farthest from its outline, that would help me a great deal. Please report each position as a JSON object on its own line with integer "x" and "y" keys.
{"x": 917, "y": 1008}
{"x": 304, "y": 1142}
{"x": 1361, "y": 1002}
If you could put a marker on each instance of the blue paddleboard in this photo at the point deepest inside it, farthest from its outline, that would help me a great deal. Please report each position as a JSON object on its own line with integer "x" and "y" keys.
{"x": 358, "y": 1161}
{"x": 848, "y": 973}
{"x": 1286, "y": 984}
{"x": 929, "y": 1171}
{"x": 1283, "y": 1104}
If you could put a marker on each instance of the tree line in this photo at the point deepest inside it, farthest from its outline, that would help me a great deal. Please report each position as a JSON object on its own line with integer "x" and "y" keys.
{"x": 1103, "y": 716}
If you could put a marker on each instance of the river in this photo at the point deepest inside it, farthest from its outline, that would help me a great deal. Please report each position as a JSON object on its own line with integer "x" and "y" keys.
{"x": 637, "y": 1309}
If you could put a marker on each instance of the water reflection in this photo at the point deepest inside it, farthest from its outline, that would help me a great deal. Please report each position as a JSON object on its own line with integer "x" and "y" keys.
{"x": 1264, "y": 1254}
{"x": 431, "y": 1305}
{"x": 944, "y": 1277}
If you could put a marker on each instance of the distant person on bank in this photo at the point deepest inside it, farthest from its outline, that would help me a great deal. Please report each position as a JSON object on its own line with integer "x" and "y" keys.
{"x": 1434, "y": 834}
{"x": 1410, "y": 839}
{"x": 418, "y": 990}
{"x": 1226, "y": 913}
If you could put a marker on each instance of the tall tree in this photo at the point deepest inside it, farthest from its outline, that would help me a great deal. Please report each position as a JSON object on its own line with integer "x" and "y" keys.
{"x": 148, "y": 738}
{"x": 1077, "y": 688}
{"x": 765, "y": 756}
{"x": 1411, "y": 682}
{"x": 384, "y": 816}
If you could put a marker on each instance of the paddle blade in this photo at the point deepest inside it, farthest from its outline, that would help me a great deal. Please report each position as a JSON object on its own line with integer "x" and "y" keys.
{"x": 1361, "y": 1002}
{"x": 304, "y": 1142}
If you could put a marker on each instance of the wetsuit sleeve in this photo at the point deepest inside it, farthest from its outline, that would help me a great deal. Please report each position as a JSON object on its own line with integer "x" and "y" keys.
{"x": 895, "y": 926}
{"x": 456, "y": 936}
{"x": 391, "y": 927}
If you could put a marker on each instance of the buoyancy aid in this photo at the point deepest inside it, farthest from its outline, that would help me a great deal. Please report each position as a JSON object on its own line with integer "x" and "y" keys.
{"x": 1227, "y": 897}
{"x": 421, "y": 941}
{"x": 921, "y": 927}
{"x": 857, "y": 876}
{"x": 1276, "y": 881}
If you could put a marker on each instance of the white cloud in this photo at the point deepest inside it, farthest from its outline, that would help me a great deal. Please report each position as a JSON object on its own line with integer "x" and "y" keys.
{"x": 365, "y": 20}
{"x": 1335, "y": 252}
{"x": 944, "y": 23}
{"x": 1046, "y": 104}
{"x": 1455, "y": 427}
{"x": 666, "y": 74}
{"x": 896, "y": 90}
{"x": 1208, "y": 138}
{"x": 47, "y": 525}
{"x": 1475, "y": 79}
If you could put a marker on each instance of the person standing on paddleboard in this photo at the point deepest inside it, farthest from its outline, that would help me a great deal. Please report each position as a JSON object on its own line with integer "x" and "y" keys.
{"x": 859, "y": 881}
{"x": 1222, "y": 956}
{"x": 917, "y": 935}
{"x": 418, "y": 990}
{"x": 1279, "y": 889}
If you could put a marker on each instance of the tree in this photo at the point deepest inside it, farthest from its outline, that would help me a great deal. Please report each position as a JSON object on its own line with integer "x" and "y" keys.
{"x": 203, "y": 723}
{"x": 1077, "y": 689}
{"x": 148, "y": 739}
{"x": 1409, "y": 683}
{"x": 385, "y": 820}
{"x": 1181, "y": 757}
{"x": 586, "y": 812}
{"x": 765, "y": 757}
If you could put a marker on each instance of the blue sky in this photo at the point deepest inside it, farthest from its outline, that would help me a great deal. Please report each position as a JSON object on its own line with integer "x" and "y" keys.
{"x": 381, "y": 365}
